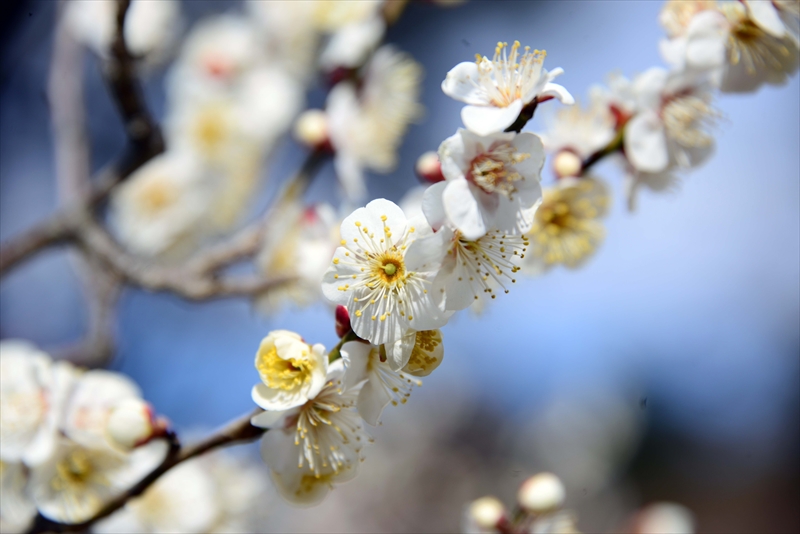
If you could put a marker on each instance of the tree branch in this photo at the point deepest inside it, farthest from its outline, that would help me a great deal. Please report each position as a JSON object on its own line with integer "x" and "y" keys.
{"x": 238, "y": 431}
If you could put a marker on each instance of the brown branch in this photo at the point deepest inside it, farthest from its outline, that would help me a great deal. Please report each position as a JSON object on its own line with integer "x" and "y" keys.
{"x": 236, "y": 432}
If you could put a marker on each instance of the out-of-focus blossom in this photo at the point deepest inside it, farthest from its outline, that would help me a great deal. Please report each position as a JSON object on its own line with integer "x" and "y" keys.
{"x": 496, "y": 90}
{"x": 311, "y": 129}
{"x": 313, "y": 446}
{"x": 33, "y": 393}
{"x": 575, "y": 133}
{"x": 382, "y": 276}
{"x": 743, "y": 44}
{"x": 162, "y": 208}
{"x": 567, "y": 229}
{"x": 151, "y": 27}
{"x": 663, "y": 518}
{"x": 292, "y": 371}
{"x": 672, "y": 125}
{"x": 383, "y": 385}
{"x": 483, "y": 516}
{"x": 558, "y": 523}
{"x": 491, "y": 182}
{"x": 300, "y": 246}
{"x": 351, "y": 45}
{"x": 16, "y": 508}
{"x": 96, "y": 394}
{"x": 76, "y": 482}
{"x": 215, "y": 493}
{"x": 541, "y": 493}
{"x": 367, "y": 121}
{"x": 130, "y": 424}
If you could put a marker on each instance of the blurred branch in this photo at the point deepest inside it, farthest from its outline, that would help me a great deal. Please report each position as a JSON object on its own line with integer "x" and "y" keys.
{"x": 238, "y": 431}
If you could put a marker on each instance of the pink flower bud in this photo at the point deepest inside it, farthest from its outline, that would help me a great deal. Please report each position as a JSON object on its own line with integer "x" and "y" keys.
{"x": 342, "y": 321}
{"x": 131, "y": 423}
{"x": 486, "y": 513}
{"x": 429, "y": 168}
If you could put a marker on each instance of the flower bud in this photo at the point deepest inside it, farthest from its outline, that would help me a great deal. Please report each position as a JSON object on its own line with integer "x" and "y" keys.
{"x": 486, "y": 512}
{"x": 342, "y": 321}
{"x": 567, "y": 164}
{"x": 541, "y": 493}
{"x": 662, "y": 518}
{"x": 311, "y": 129}
{"x": 429, "y": 168}
{"x": 130, "y": 424}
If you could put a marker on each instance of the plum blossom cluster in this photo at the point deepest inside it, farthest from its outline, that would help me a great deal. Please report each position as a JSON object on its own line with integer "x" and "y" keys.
{"x": 70, "y": 439}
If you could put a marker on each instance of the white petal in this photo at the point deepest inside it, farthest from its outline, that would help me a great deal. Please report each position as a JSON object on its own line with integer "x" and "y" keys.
{"x": 461, "y": 83}
{"x": 646, "y": 143}
{"x": 486, "y": 120}
{"x": 355, "y": 356}
{"x": 530, "y": 144}
{"x": 351, "y": 176}
{"x": 559, "y": 92}
{"x": 766, "y": 17}
{"x": 269, "y": 419}
{"x": 706, "y": 39}
{"x": 395, "y": 218}
{"x": 276, "y": 399}
{"x": 433, "y": 205}
{"x": 649, "y": 87}
{"x": 371, "y": 401}
{"x": 400, "y": 351}
{"x": 425, "y": 254}
{"x": 463, "y": 210}
{"x": 452, "y": 155}
{"x": 451, "y": 285}
{"x": 673, "y": 51}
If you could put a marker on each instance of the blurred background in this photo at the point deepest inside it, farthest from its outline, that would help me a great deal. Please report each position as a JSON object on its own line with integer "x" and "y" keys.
{"x": 667, "y": 368}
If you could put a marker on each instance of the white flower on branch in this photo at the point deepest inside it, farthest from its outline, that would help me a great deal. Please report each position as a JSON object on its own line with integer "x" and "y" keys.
{"x": 367, "y": 122}
{"x": 96, "y": 394}
{"x": 492, "y": 182}
{"x": 215, "y": 493}
{"x": 382, "y": 275}
{"x": 16, "y": 508}
{"x": 743, "y": 44}
{"x": 673, "y": 121}
{"x": 292, "y": 371}
{"x": 300, "y": 244}
{"x": 33, "y": 392}
{"x": 77, "y": 481}
{"x": 313, "y": 446}
{"x": 567, "y": 229}
{"x": 162, "y": 208}
{"x": 497, "y": 90}
{"x": 151, "y": 28}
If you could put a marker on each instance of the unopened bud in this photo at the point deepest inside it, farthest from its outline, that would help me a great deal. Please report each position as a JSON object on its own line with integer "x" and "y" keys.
{"x": 487, "y": 512}
{"x": 130, "y": 424}
{"x": 567, "y": 164}
{"x": 541, "y": 493}
{"x": 663, "y": 518}
{"x": 429, "y": 168}
{"x": 311, "y": 129}
{"x": 342, "y": 321}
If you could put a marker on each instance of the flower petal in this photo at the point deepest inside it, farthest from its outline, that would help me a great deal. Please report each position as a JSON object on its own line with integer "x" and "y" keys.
{"x": 706, "y": 39}
{"x": 463, "y": 210}
{"x": 452, "y": 154}
{"x": 559, "y": 92}
{"x": 486, "y": 120}
{"x": 371, "y": 401}
{"x": 646, "y": 142}
{"x": 433, "y": 205}
{"x": 400, "y": 351}
{"x": 461, "y": 83}
{"x": 268, "y": 419}
{"x": 766, "y": 17}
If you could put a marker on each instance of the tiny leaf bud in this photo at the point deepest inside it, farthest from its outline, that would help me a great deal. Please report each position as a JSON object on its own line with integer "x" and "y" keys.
{"x": 342, "y": 321}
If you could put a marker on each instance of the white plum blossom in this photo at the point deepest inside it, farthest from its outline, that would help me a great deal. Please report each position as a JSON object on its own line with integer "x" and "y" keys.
{"x": 365, "y": 362}
{"x": 130, "y": 424}
{"x": 381, "y": 276}
{"x": 162, "y": 208}
{"x": 366, "y": 122}
{"x": 299, "y": 245}
{"x": 76, "y": 482}
{"x": 351, "y": 45}
{"x": 16, "y": 508}
{"x": 742, "y": 44}
{"x": 492, "y": 182}
{"x": 291, "y": 370}
{"x": 671, "y": 125}
{"x": 313, "y": 446}
{"x": 567, "y": 229}
{"x": 151, "y": 28}
{"x": 96, "y": 394}
{"x": 497, "y": 90}
{"x": 33, "y": 393}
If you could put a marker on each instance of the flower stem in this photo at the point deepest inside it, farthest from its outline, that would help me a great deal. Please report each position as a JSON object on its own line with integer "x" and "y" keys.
{"x": 336, "y": 352}
{"x": 613, "y": 146}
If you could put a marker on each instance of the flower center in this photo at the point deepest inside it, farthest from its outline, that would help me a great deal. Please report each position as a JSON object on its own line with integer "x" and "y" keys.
{"x": 687, "y": 118}
{"x": 157, "y": 195}
{"x": 509, "y": 77}
{"x": 75, "y": 468}
{"x": 278, "y": 373}
{"x": 211, "y": 128}
{"x": 388, "y": 268}
{"x": 752, "y": 46}
{"x": 493, "y": 171}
